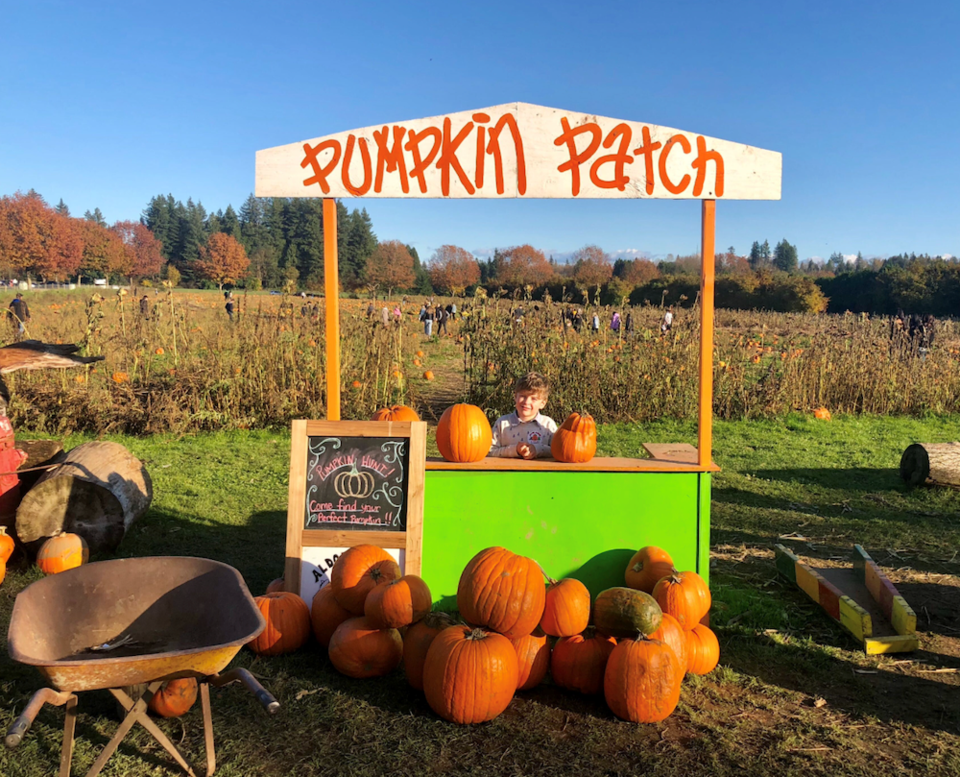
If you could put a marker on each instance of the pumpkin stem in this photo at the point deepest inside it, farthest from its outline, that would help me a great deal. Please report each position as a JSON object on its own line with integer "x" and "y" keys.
{"x": 542, "y": 572}
{"x": 477, "y": 634}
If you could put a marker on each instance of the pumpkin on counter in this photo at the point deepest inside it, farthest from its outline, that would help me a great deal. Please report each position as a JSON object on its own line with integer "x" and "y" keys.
{"x": 576, "y": 439}
{"x": 396, "y": 413}
{"x": 464, "y": 434}
{"x": 62, "y": 552}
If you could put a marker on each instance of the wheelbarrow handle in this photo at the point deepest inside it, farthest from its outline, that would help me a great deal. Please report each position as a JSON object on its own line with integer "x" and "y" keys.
{"x": 270, "y": 704}
{"x": 22, "y": 724}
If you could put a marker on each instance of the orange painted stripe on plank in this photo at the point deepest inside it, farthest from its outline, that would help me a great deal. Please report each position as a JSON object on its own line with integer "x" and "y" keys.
{"x": 331, "y": 290}
{"x": 708, "y": 213}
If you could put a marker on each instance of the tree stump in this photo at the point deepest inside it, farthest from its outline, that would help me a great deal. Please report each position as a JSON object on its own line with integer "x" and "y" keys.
{"x": 40, "y": 453}
{"x": 931, "y": 463}
{"x": 97, "y": 491}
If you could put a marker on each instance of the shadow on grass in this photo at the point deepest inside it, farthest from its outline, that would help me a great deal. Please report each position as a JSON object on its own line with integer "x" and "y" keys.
{"x": 848, "y": 479}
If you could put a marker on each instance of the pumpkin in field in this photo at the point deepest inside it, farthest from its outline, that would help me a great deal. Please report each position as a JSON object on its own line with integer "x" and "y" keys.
{"x": 288, "y": 624}
{"x": 398, "y": 603}
{"x": 396, "y": 413}
{"x": 275, "y": 586}
{"x": 822, "y": 414}
{"x": 647, "y": 567}
{"x": 428, "y": 375}
{"x": 533, "y": 659}
{"x": 685, "y": 596}
{"x": 575, "y": 440}
{"x": 359, "y": 649}
{"x": 357, "y": 572}
{"x": 416, "y": 643}
{"x": 624, "y": 612}
{"x": 62, "y": 552}
{"x": 566, "y": 609}
{"x": 642, "y": 680}
{"x": 703, "y": 650}
{"x": 6, "y": 545}
{"x": 470, "y": 675}
{"x": 326, "y": 615}
{"x": 578, "y": 662}
{"x": 175, "y": 698}
{"x": 672, "y": 634}
{"x": 464, "y": 434}
{"x": 502, "y": 591}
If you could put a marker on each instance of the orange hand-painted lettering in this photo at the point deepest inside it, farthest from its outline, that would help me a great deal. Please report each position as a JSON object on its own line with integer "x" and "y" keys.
{"x": 420, "y": 164}
{"x": 619, "y": 159}
{"x": 448, "y": 157}
{"x": 685, "y": 181}
{"x": 311, "y": 156}
{"x": 356, "y": 191}
{"x": 646, "y": 150}
{"x": 577, "y": 158}
{"x": 480, "y": 119}
{"x": 391, "y": 159}
{"x": 700, "y": 165}
{"x": 493, "y": 147}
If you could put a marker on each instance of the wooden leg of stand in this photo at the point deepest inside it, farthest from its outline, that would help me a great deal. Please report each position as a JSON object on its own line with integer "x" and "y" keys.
{"x": 69, "y": 725}
{"x": 208, "y": 729}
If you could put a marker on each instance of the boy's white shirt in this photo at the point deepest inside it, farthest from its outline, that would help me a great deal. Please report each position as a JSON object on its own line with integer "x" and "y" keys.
{"x": 509, "y": 431}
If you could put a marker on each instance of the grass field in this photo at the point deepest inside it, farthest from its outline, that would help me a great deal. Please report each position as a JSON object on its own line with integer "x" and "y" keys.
{"x": 792, "y": 694}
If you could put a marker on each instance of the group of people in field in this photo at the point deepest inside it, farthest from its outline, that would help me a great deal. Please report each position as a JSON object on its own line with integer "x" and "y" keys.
{"x": 914, "y": 331}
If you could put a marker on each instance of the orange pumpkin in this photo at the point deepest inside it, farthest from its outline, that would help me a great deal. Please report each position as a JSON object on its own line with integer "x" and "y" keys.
{"x": 175, "y": 698}
{"x": 685, "y": 596}
{"x": 578, "y": 662}
{"x": 62, "y": 552}
{"x": 822, "y": 414}
{"x": 420, "y": 354}
{"x": 575, "y": 440}
{"x": 288, "y": 624}
{"x": 396, "y": 413}
{"x": 671, "y": 633}
{"x": 6, "y": 545}
{"x": 502, "y": 591}
{"x": 359, "y": 649}
{"x": 566, "y": 609}
{"x": 428, "y": 375}
{"x": 326, "y": 615}
{"x": 464, "y": 434}
{"x": 275, "y": 586}
{"x": 3, "y": 571}
{"x": 470, "y": 675}
{"x": 642, "y": 680}
{"x": 357, "y": 572}
{"x": 533, "y": 659}
{"x": 703, "y": 650}
{"x": 398, "y": 603}
{"x": 647, "y": 567}
{"x": 416, "y": 643}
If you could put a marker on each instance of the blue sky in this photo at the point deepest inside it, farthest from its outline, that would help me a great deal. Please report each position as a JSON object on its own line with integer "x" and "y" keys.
{"x": 106, "y": 104}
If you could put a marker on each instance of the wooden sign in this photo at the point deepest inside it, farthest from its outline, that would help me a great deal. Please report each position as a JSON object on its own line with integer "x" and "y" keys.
{"x": 519, "y": 150}
{"x": 351, "y": 483}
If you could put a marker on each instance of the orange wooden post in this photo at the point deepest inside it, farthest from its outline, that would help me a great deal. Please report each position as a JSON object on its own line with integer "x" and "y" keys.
{"x": 331, "y": 288}
{"x": 708, "y": 221}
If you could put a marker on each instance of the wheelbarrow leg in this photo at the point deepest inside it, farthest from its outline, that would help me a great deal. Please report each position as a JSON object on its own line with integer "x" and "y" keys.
{"x": 208, "y": 729}
{"x": 69, "y": 724}
{"x": 137, "y": 713}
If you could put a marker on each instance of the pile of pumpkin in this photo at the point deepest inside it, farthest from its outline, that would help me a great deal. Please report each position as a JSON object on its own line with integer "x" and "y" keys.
{"x": 464, "y": 433}
{"x": 645, "y": 637}
{"x": 61, "y": 552}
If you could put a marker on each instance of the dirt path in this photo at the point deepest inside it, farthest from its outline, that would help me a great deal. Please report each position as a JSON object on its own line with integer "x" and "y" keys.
{"x": 444, "y": 357}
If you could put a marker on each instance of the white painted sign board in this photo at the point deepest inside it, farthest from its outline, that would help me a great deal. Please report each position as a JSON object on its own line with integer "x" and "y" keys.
{"x": 518, "y": 150}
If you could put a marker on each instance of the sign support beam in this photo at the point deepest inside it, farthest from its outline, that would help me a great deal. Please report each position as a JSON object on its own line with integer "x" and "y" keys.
{"x": 331, "y": 289}
{"x": 707, "y": 252}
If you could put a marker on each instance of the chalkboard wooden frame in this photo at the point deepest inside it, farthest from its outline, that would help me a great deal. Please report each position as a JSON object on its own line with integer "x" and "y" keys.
{"x": 298, "y": 538}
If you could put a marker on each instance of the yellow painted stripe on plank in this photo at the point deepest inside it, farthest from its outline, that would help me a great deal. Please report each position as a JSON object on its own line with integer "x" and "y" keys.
{"x": 904, "y": 618}
{"x": 871, "y": 578}
{"x": 807, "y": 581}
{"x": 901, "y": 643}
{"x": 855, "y": 619}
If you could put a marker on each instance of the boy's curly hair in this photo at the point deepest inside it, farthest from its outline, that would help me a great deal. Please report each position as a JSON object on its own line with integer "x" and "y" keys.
{"x": 533, "y": 382}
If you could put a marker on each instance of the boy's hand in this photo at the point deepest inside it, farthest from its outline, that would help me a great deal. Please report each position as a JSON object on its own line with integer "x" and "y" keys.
{"x": 526, "y": 451}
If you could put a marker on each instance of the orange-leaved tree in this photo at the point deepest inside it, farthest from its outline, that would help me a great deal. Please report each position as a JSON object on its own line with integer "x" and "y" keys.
{"x": 34, "y": 238}
{"x": 525, "y": 266}
{"x": 146, "y": 249}
{"x": 103, "y": 251}
{"x": 390, "y": 267}
{"x": 591, "y": 267}
{"x": 639, "y": 271}
{"x": 222, "y": 260}
{"x": 453, "y": 269}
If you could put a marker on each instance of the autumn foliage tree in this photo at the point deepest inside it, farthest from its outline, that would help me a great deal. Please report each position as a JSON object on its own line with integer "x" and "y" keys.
{"x": 104, "y": 253}
{"x": 34, "y": 238}
{"x": 639, "y": 271}
{"x": 390, "y": 267}
{"x": 144, "y": 247}
{"x": 453, "y": 269}
{"x": 591, "y": 267}
{"x": 222, "y": 260}
{"x": 524, "y": 266}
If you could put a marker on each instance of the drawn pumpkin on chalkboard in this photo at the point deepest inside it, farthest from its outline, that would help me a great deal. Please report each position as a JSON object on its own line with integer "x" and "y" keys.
{"x": 354, "y": 484}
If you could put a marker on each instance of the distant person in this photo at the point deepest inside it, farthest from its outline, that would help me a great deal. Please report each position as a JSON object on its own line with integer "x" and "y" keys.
{"x": 667, "y": 324}
{"x": 442, "y": 317}
{"x": 628, "y": 323}
{"x": 385, "y": 316}
{"x": 525, "y": 433}
{"x": 20, "y": 313}
{"x": 453, "y": 311}
{"x": 230, "y": 306}
{"x": 145, "y": 307}
{"x": 577, "y": 320}
{"x": 615, "y": 323}
{"x": 397, "y": 314}
{"x": 595, "y": 322}
{"x": 371, "y": 310}
{"x": 427, "y": 318}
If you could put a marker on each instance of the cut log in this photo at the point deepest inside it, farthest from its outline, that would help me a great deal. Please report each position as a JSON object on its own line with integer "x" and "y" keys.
{"x": 40, "y": 453}
{"x": 931, "y": 463}
{"x": 97, "y": 491}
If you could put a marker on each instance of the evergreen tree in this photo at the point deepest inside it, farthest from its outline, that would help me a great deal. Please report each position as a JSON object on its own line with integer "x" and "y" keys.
{"x": 96, "y": 217}
{"x": 785, "y": 256}
{"x": 307, "y": 237}
{"x": 755, "y": 255}
{"x": 229, "y": 223}
{"x": 62, "y": 208}
{"x": 765, "y": 252}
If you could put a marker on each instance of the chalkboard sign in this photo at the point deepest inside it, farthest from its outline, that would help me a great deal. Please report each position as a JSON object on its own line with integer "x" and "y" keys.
{"x": 357, "y": 483}
{"x": 352, "y": 483}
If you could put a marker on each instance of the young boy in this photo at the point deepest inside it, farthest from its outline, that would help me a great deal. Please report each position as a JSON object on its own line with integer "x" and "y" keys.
{"x": 525, "y": 434}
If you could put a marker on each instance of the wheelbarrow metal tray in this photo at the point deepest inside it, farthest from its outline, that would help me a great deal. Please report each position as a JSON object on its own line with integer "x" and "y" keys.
{"x": 171, "y": 617}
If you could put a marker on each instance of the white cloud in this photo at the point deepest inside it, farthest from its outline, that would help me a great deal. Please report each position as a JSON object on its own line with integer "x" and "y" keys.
{"x": 849, "y": 258}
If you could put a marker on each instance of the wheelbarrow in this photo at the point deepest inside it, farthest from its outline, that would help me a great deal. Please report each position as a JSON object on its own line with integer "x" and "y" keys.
{"x": 128, "y": 622}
